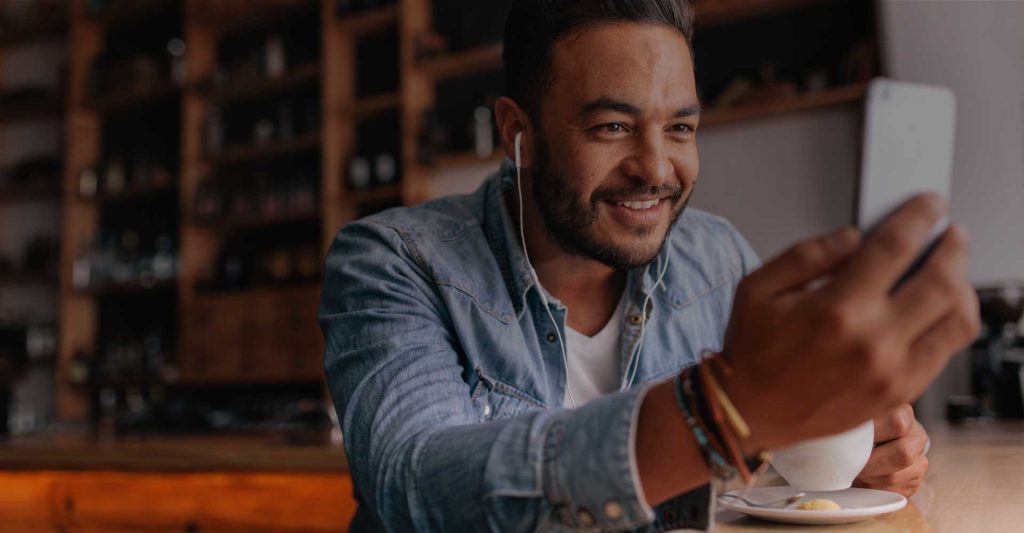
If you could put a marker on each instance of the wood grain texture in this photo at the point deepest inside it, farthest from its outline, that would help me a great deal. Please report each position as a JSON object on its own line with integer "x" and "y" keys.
{"x": 115, "y": 501}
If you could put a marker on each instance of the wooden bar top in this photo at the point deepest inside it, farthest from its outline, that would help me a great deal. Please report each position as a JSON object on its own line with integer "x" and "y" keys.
{"x": 975, "y": 482}
{"x": 271, "y": 452}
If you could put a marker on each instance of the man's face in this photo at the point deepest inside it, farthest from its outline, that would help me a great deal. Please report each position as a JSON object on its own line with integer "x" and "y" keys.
{"x": 616, "y": 154}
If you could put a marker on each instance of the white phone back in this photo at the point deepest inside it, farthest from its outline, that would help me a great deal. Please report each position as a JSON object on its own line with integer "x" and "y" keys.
{"x": 908, "y": 147}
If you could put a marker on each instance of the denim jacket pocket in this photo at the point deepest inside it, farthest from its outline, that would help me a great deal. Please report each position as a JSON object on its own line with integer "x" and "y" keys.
{"x": 495, "y": 400}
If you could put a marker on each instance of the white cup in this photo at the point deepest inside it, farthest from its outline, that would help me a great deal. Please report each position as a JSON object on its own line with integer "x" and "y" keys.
{"x": 827, "y": 463}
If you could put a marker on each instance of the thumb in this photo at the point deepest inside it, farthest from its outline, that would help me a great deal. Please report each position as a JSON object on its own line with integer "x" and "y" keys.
{"x": 803, "y": 263}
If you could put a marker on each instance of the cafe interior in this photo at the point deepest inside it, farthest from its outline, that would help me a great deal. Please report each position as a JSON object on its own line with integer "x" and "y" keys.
{"x": 172, "y": 173}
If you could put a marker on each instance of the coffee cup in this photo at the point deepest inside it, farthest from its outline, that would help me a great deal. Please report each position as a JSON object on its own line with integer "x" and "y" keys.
{"x": 827, "y": 463}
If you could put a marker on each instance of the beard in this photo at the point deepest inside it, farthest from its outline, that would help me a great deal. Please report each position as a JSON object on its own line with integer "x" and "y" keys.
{"x": 572, "y": 222}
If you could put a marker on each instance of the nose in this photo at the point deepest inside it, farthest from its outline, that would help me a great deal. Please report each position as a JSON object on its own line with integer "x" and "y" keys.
{"x": 649, "y": 164}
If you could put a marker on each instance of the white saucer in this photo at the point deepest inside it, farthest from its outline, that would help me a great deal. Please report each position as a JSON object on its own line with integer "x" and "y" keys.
{"x": 857, "y": 505}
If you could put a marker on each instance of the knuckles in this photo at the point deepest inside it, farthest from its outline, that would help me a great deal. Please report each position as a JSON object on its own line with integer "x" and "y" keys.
{"x": 893, "y": 241}
{"x": 902, "y": 456}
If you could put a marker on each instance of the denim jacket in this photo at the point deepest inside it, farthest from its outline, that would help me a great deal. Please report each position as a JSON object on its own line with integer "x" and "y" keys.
{"x": 448, "y": 378}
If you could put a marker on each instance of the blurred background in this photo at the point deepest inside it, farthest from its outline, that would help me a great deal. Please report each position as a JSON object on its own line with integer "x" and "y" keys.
{"x": 172, "y": 171}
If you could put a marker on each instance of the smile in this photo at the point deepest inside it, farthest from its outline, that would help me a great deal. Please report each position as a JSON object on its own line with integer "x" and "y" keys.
{"x": 640, "y": 206}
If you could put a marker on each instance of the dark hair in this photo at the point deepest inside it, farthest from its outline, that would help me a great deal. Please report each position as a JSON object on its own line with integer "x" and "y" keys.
{"x": 533, "y": 27}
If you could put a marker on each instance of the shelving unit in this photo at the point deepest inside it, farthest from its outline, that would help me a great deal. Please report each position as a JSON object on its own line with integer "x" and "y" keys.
{"x": 710, "y": 13}
{"x": 132, "y": 99}
{"x": 36, "y": 108}
{"x": 804, "y": 102}
{"x": 30, "y": 288}
{"x": 273, "y": 149}
{"x": 296, "y": 77}
{"x": 87, "y": 117}
{"x": 268, "y": 333}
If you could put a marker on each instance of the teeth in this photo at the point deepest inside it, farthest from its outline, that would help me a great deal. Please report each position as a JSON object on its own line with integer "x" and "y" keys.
{"x": 639, "y": 205}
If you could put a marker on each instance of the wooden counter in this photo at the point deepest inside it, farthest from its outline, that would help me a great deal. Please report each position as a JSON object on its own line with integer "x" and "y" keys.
{"x": 975, "y": 483}
{"x": 305, "y": 452}
{"x": 208, "y": 483}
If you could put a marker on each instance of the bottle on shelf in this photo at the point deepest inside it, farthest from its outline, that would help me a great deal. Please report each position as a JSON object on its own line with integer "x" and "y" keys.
{"x": 275, "y": 61}
{"x": 88, "y": 183}
{"x": 179, "y": 66}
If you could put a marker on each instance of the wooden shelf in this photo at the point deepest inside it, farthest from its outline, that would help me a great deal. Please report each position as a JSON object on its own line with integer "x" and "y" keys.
{"x": 460, "y": 64}
{"x": 377, "y": 104}
{"x": 121, "y": 101}
{"x": 35, "y": 108}
{"x": 804, "y": 102}
{"x": 445, "y": 161}
{"x": 37, "y": 30}
{"x": 51, "y": 194}
{"x": 228, "y": 17}
{"x": 27, "y": 278}
{"x": 229, "y": 223}
{"x": 124, "y": 383}
{"x": 708, "y": 13}
{"x": 135, "y": 193}
{"x": 126, "y": 12}
{"x": 376, "y": 195}
{"x": 369, "y": 22}
{"x": 271, "y": 150}
{"x": 296, "y": 77}
{"x": 258, "y": 290}
{"x": 119, "y": 289}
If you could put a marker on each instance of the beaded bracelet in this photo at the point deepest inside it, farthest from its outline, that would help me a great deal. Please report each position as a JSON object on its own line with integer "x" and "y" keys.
{"x": 719, "y": 467}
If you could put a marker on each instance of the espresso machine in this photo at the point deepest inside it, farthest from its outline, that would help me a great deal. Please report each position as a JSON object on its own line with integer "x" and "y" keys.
{"x": 997, "y": 357}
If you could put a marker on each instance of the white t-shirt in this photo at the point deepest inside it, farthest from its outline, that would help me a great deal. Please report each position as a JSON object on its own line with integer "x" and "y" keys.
{"x": 594, "y": 361}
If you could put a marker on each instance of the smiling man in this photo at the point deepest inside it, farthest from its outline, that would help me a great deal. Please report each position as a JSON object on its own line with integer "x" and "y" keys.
{"x": 539, "y": 354}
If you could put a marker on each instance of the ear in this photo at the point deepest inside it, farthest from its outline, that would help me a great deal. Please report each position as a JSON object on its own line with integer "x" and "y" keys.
{"x": 511, "y": 120}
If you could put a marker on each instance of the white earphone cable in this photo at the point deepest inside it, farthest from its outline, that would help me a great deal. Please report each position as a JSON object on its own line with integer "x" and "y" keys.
{"x": 540, "y": 289}
{"x": 635, "y": 354}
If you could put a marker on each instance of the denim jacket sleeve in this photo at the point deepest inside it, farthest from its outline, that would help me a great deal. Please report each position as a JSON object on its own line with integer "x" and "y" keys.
{"x": 420, "y": 455}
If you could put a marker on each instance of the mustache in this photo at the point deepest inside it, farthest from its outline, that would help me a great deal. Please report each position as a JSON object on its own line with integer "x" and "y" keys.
{"x": 671, "y": 191}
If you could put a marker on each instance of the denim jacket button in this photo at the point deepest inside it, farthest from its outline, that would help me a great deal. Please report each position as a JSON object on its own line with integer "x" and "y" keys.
{"x": 552, "y": 337}
{"x": 635, "y": 319}
{"x": 613, "y": 510}
{"x": 585, "y": 518}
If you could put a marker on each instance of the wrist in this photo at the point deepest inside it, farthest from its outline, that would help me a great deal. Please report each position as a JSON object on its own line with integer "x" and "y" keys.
{"x": 745, "y": 397}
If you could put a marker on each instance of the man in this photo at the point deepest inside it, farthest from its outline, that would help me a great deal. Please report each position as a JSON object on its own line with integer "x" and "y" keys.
{"x": 479, "y": 392}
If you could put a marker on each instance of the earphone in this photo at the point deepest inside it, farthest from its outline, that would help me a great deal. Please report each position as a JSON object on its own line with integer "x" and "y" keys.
{"x": 662, "y": 269}
{"x": 536, "y": 279}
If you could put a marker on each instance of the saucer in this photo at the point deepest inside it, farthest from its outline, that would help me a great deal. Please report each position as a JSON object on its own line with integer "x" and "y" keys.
{"x": 857, "y": 505}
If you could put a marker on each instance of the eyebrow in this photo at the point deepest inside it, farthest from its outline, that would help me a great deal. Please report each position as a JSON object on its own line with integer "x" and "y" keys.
{"x": 605, "y": 103}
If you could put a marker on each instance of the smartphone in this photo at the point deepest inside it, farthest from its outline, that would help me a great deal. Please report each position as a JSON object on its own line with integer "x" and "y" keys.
{"x": 908, "y": 149}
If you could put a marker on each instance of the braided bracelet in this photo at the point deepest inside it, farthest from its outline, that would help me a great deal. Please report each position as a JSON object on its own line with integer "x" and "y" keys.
{"x": 719, "y": 467}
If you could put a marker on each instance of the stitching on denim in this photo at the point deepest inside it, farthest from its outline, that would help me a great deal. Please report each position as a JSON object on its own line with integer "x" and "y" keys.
{"x": 487, "y": 309}
{"x": 717, "y": 285}
{"x": 508, "y": 390}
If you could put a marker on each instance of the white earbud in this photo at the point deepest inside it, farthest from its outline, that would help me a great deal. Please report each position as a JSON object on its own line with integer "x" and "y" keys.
{"x": 519, "y": 146}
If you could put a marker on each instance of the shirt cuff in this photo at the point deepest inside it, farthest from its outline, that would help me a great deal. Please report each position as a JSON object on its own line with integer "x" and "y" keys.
{"x": 591, "y": 477}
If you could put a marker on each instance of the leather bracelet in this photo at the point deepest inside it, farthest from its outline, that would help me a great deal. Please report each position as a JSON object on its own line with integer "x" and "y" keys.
{"x": 719, "y": 466}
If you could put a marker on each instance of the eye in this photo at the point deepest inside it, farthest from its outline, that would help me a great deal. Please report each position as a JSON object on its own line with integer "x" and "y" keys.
{"x": 681, "y": 128}
{"x": 611, "y": 127}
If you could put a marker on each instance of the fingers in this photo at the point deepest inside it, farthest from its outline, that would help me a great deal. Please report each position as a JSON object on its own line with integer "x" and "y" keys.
{"x": 801, "y": 264}
{"x": 891, "y": 248}
{"x": 895, "y": 424}
{"x": 932, "y": 350}
{"x": 905, "y": 482}
{"x": 933, "y": 292}
{"x": 896, "y": 455}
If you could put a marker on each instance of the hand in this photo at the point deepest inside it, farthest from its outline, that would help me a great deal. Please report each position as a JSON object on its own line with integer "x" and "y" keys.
{"x": 897, "y": 463}
{"x": 819, "y": 341}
